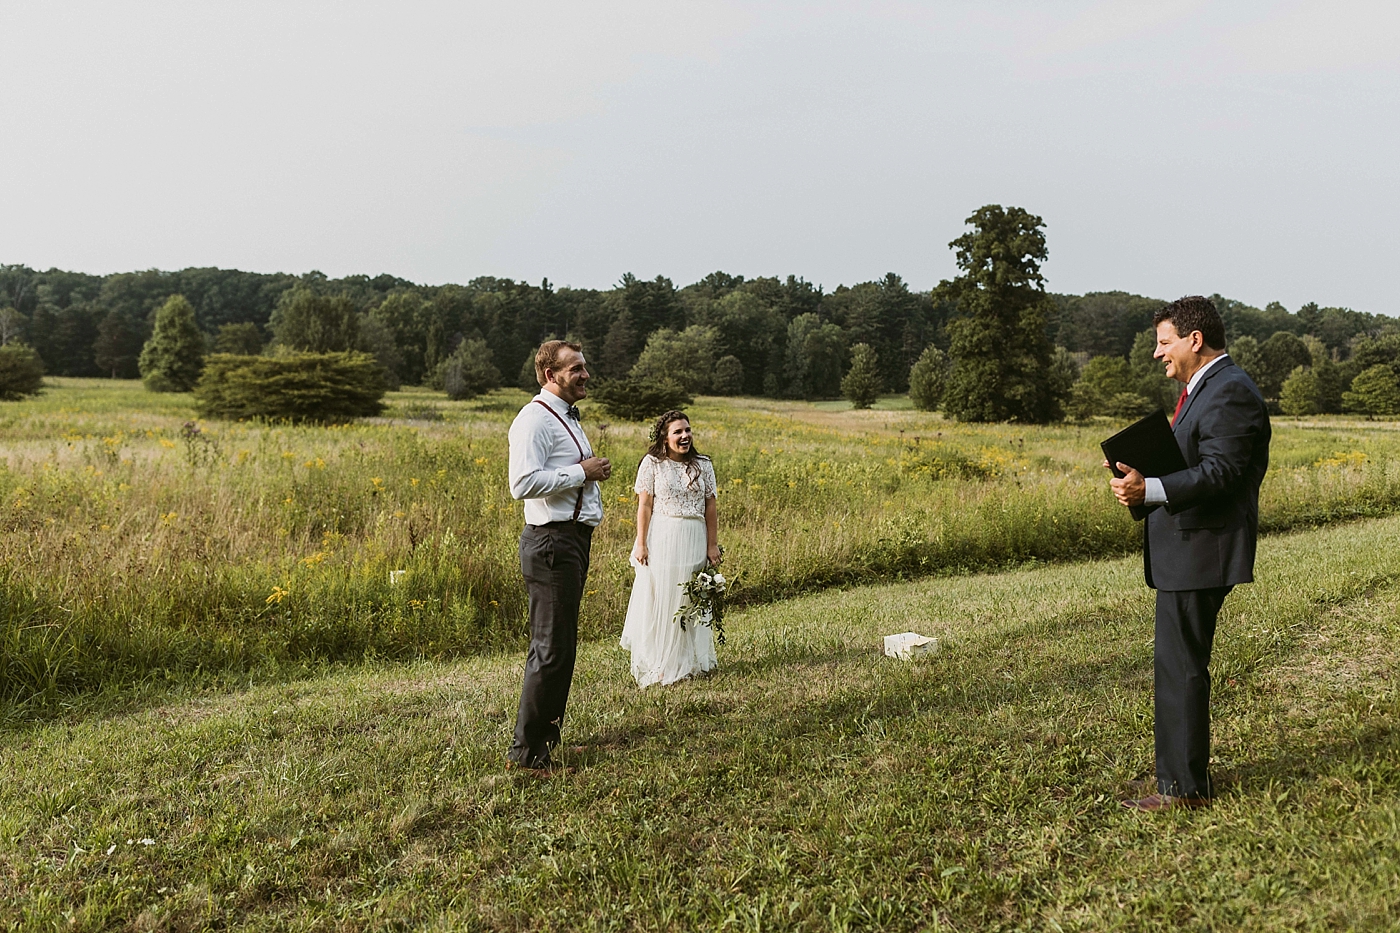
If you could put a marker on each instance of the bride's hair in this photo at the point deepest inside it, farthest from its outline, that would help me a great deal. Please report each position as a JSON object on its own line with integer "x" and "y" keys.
{"x": 659, "y": 429}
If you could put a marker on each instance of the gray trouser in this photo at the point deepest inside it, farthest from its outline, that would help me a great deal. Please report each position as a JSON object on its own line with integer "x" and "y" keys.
{"x": 554, "y": 561}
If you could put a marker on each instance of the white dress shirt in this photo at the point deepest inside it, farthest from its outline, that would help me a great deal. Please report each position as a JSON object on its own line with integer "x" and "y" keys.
{"x": 1155, "y": 494}
{"x": 544, "y": 464}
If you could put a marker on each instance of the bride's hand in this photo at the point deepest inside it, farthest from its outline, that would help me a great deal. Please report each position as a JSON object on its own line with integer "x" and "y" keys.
{"x": 714, "y": 555}
{"x": 639, "y": 552}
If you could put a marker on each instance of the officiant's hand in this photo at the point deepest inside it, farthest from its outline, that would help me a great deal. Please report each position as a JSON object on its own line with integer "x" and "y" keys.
{"x": 596, "y": 468}
{"x": 1132, "y": 488}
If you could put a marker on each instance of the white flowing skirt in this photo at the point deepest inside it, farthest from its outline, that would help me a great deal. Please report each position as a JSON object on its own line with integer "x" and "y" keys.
{"x": 663, "y": 652}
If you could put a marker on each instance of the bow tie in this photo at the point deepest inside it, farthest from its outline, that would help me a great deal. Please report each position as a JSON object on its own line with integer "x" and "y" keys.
{"x": 573, "y": 412}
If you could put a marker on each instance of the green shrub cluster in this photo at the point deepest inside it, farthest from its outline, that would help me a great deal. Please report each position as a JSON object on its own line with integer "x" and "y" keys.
{"x": 638, "y": 399}
{"x": 927, "y": 377}
{"x": 21, "y": 372}
{"x": 862, "y": 382}
{"x": 291, "y": 386}
{"x": 172, "y": 359}
{"x": 469, "y": 372}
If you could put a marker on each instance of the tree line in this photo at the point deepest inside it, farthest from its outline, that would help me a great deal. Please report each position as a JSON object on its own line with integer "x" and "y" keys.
{"x": 990, "y": 344}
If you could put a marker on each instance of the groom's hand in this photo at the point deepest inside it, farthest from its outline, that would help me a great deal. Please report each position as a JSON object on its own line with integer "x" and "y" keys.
{"x": 1132, "y": 488}
{"x": 596, "y": 468}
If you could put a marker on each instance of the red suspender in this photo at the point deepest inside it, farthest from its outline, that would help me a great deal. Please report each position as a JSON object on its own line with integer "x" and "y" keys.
{"x": 578, "y": 504}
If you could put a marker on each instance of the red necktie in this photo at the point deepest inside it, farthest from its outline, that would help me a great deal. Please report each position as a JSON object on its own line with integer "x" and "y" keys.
{"x": 1181, "y": 400}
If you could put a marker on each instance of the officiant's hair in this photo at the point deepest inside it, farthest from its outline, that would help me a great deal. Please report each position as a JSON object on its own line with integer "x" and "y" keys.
{"x": 547, "y": 356}
{"x": 1192, "y": 313}
{"x": 658, "y": 442}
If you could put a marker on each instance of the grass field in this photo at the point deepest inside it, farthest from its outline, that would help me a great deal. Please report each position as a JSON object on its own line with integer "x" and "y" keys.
{"x": 809, "y": 784}
{"x": 135, "y": 553}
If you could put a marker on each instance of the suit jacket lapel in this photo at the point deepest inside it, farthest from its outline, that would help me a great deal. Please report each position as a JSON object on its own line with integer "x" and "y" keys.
{"x": 1192, "y": 396}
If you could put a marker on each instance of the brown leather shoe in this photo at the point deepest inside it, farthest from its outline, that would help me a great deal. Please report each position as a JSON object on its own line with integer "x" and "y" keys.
{"x": 1156, "y": 802}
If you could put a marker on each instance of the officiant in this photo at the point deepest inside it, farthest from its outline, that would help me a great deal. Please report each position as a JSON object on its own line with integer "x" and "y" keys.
{"x": 1200, "y": 536}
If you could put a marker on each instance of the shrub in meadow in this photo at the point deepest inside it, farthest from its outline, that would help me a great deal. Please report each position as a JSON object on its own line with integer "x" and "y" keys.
{"x": 729, "y": 376}
{"x": 243, "y": 339}
{"x": 638, "y": 399}
{"x": 1301, "y": 394}
{"x": 173, "y": 358}
{"x": 469, "y": 372}
{"x": 21, "y": 372}
{"x": 291, "y": 386}
{"x": 862, "y": 382}
{"x": 927, "y": 377}
{"x": 1108, "y": 386}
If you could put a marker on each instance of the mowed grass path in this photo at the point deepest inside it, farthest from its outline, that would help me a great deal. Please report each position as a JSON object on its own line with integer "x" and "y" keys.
{"x": 809, "y": 784}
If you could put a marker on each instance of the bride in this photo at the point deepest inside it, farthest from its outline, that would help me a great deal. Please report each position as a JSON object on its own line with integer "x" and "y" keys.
{"x": 677, "y": 534}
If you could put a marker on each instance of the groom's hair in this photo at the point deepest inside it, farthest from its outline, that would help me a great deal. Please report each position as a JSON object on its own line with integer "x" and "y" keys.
{"x": 1193, "y": 313}
{"x": 547, "y": 356}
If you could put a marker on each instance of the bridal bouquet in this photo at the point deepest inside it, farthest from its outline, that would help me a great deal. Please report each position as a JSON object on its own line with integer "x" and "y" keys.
{"x": 705, "y": 601}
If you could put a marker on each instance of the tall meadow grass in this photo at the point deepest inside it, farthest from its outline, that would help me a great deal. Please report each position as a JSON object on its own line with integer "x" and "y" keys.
{"x": 138, "y": 544}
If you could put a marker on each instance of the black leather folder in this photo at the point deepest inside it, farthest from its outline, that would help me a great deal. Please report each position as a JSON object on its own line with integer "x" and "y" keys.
{"x": 1147, "y": 446}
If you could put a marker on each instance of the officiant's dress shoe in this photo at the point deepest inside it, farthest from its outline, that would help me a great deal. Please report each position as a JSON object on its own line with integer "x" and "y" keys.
{"x": 1156, "y": 802}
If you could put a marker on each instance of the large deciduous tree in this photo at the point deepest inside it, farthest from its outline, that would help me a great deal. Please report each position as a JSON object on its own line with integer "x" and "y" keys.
{"x": 1001, "y": 355}
{"x": 1374, "y": 392}
{"x": 816, "y": 357}
{"x": 305, "y": 320}
{"x": 173, "y": 358}
{"x": 687, "y": 357}
{"x": 120, "y": 339}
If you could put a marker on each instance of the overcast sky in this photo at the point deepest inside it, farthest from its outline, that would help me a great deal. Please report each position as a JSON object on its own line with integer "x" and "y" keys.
{"x": 1171, "y": 146}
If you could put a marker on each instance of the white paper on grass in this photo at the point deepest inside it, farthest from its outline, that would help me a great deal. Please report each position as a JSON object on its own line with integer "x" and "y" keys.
{"x": 909, "y": 645}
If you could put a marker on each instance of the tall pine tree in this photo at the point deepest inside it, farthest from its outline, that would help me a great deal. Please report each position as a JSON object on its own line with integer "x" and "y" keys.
{"x": 998, "y": 346}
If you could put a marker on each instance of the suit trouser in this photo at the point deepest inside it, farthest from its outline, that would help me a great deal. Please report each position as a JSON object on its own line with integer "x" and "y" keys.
{"x": 1185, "y": 631}
{"x": 554, "y": 561}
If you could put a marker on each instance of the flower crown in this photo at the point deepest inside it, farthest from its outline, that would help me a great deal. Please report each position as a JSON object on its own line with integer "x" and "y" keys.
{"x": 653, "y": 432}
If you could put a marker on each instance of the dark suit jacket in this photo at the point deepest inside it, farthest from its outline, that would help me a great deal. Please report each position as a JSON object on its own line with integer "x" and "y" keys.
{"x": 1205, "y": 536}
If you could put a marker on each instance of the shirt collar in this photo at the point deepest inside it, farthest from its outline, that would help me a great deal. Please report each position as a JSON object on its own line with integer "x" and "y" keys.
{"x": 1200, "y": 373}
{"x": 553, "y": 401}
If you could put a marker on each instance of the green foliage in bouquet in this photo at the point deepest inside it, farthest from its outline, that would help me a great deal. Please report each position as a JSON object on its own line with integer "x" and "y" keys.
{"x": 638, "y": 399}
{"x": 21, "y": 372}
{"x": 704, "y": 605}
{"x": 291, "y": 386}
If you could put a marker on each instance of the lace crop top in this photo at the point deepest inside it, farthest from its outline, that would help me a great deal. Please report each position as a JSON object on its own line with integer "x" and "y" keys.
{"x": 679, "y": 492}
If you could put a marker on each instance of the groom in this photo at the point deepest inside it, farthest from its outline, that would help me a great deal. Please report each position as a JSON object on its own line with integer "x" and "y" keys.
{"x": 553, "y": 469}
{"x": 1200, "y": 543}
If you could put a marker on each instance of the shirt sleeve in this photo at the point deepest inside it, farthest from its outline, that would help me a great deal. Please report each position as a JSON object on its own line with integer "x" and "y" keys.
{"x": 707, "y": 470}
{"x": 646, "y": 477}
{"x": 1156, "y": 495}
{"x": 530, "y": 475}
